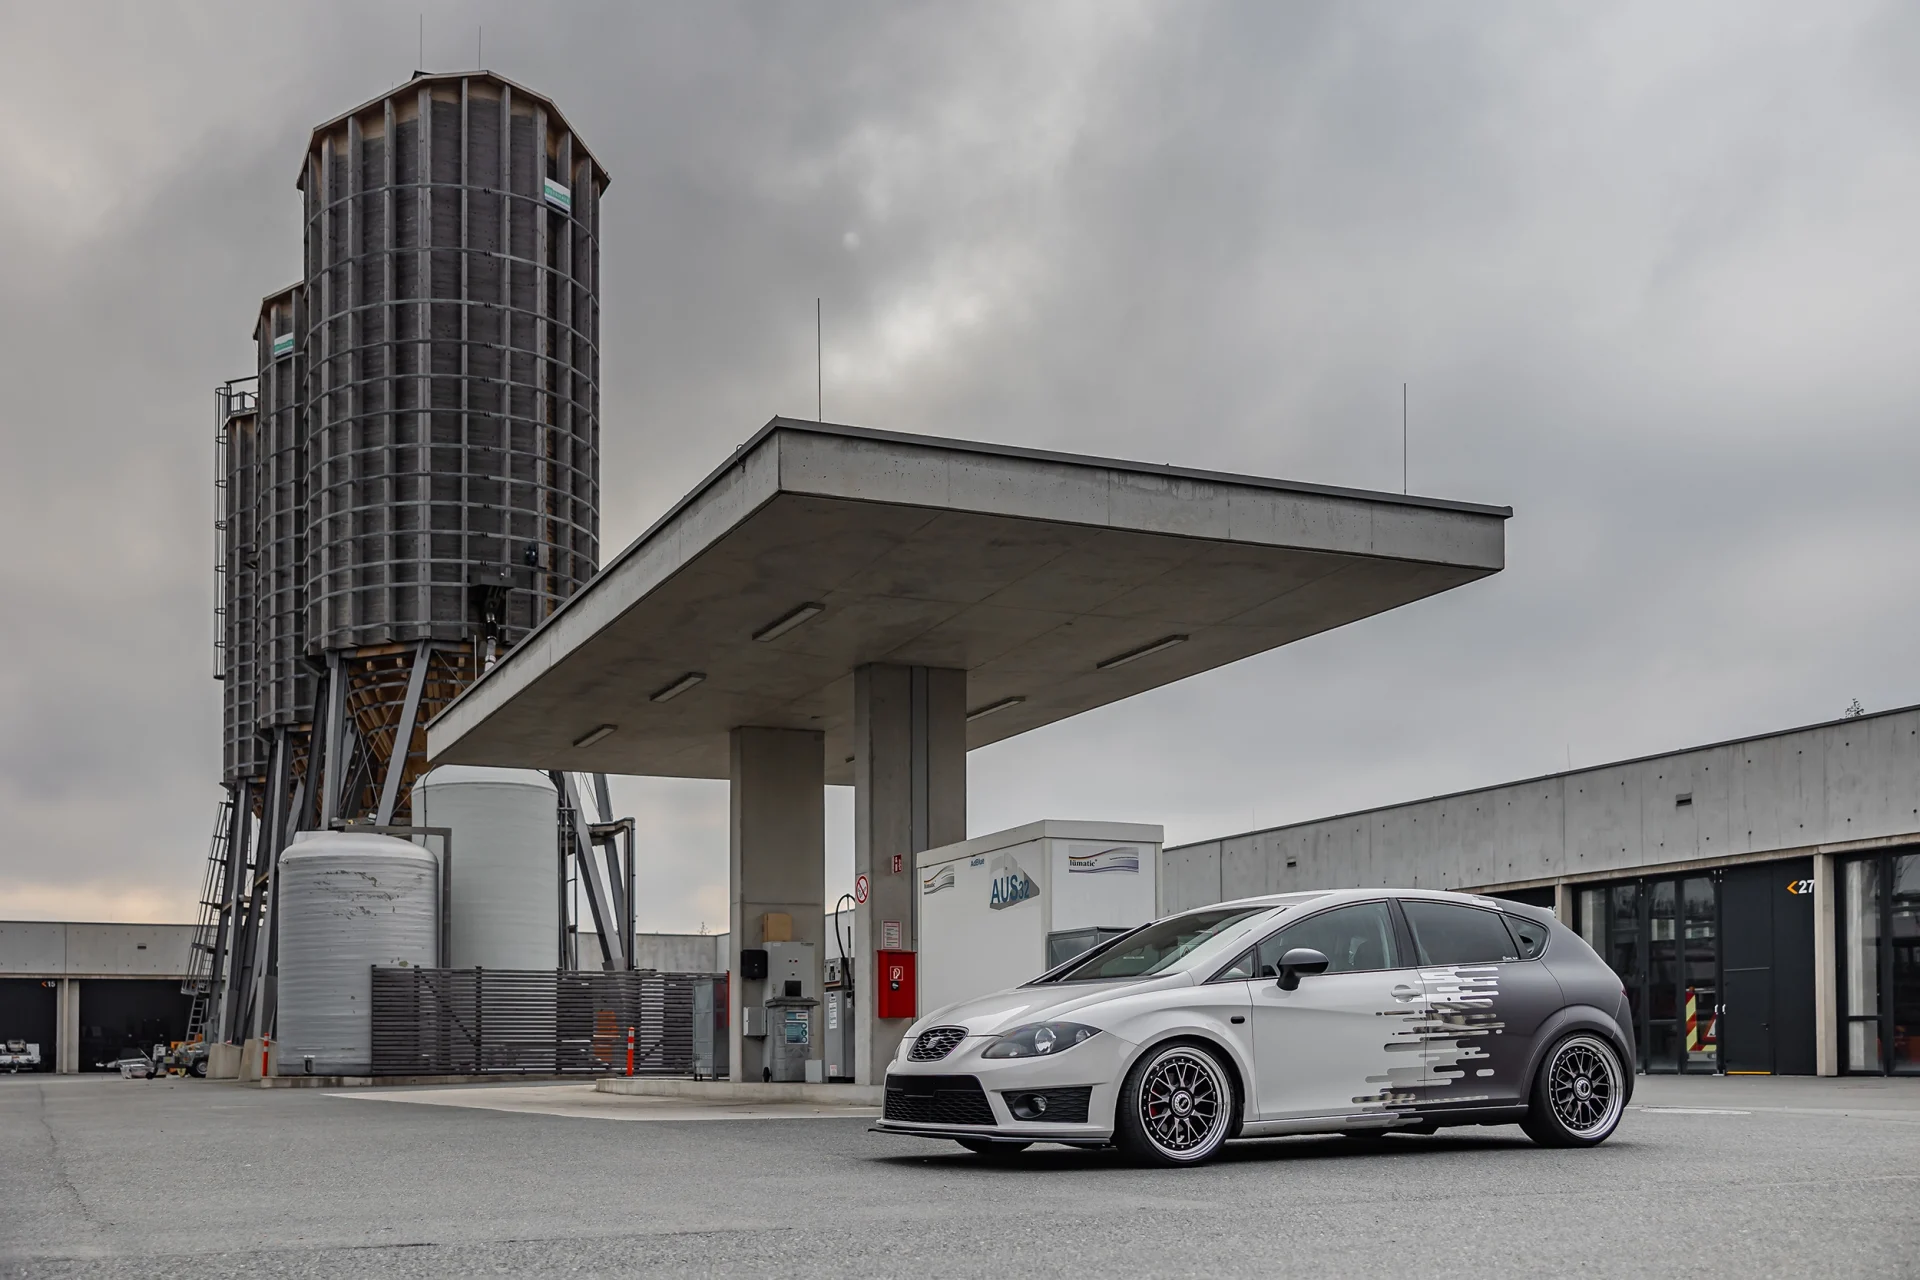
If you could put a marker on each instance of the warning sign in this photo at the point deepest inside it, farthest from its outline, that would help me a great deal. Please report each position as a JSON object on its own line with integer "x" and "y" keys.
{"x": 862, "y": 887}
{"x": 890, "y": 935}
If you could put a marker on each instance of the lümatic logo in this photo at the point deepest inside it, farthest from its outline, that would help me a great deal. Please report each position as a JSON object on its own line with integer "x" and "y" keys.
{"x": 1011, "y": 885}
{"x": 934, "y": 883}
{"x": 1123, "y": 857}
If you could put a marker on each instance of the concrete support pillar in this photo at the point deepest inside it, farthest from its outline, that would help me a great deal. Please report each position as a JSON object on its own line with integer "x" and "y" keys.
{"x": 910, "y": 794}
{"x": 1563, "y": 904}
{"x": 1826, "y": 968}
{"x": 777, "y": 862}
{"x": 66, "y": 1035}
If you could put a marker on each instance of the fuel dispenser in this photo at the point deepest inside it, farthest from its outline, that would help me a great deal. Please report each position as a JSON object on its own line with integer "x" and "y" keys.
{"x": 785, "y": 1014}
{"x": 836, "y": 1037}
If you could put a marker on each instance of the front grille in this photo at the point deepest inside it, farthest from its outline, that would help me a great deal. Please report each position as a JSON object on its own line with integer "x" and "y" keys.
{"x": 936, "y": 1044}
{"x": 1063, "y": 1106}
{"x": 938, "y": 1100}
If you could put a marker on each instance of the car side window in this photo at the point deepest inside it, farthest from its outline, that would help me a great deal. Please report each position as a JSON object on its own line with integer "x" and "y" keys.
{"x": 1352, "y": 938}
{"x": 1445, "y": 933}
{"x": 1530, "y": 934}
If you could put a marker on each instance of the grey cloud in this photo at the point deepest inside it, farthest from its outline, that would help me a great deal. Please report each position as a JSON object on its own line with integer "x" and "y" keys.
{"x": 1646, "y": 269}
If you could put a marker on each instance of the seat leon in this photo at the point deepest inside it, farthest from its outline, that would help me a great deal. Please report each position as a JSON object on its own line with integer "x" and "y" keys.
{"x": 1358, "y": 1012}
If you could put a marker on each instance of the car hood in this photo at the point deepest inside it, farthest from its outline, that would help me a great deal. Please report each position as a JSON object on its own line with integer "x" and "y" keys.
{"x": 1004, "y": 1010}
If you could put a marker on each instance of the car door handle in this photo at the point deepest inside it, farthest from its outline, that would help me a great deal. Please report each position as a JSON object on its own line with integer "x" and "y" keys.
{"x": 1404, "y": 992}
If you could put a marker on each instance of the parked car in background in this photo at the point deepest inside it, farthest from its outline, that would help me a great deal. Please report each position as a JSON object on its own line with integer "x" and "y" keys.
{"x": 1356, "y": 1012}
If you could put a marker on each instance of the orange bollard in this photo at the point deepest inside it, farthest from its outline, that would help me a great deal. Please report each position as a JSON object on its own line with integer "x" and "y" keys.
{"x": 266, "y": 1042}
{"x": 629, "y": 1050}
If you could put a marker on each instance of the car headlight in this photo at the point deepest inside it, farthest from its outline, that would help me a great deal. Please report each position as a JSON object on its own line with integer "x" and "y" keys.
{"x": 1037, "y": 1039}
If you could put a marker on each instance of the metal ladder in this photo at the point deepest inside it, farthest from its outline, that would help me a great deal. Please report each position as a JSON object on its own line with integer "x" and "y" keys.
{"x": 199, "y": 980}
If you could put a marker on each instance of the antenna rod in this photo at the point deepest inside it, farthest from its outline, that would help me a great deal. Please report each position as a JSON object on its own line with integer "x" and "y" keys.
{"x": 819, "y": 376}
{"x": 479, "y": 48}
{"x": 422, "y": 64}
{"x": 1403, "y": 437}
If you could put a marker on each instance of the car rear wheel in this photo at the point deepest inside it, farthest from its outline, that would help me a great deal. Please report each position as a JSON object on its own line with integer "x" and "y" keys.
{"x": 993, "y": 1150}
{"x": 1578, "y": 1095}
{"x": 1176, "y": 1106}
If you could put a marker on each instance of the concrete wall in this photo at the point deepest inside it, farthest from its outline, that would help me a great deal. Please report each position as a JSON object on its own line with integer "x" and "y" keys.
{"x": 50, "y": 949}
{"x": 1826, "y": 787}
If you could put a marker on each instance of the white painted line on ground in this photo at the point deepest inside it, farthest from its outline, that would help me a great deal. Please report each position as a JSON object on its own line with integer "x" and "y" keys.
{"x": 1694, "y": 1111}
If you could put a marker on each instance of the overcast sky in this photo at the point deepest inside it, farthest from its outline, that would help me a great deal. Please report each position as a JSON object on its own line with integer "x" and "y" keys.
{"x": 1648, "y": 270}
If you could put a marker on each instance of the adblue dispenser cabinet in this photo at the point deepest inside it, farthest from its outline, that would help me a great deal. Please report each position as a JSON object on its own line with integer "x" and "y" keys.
{"x": 893, "y": 973}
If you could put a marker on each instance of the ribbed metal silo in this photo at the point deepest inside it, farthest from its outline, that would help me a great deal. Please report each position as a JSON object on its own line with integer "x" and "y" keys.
{"x": 451, "y": 348}
{"x": 239, "y": 427}
{"x": 284, "y": 680}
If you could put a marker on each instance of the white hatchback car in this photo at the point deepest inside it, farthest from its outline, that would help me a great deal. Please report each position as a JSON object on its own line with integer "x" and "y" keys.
{"x": 1354, "y": 1011}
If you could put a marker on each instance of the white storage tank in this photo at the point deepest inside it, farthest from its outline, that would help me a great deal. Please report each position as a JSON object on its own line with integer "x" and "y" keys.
{"x": 348, "y": 901}
{"x": 504, "y": 890}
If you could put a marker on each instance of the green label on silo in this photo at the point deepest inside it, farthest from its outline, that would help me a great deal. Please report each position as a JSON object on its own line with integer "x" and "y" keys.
{"x": 282, "y": 345}
{"x": 559, "y": 197}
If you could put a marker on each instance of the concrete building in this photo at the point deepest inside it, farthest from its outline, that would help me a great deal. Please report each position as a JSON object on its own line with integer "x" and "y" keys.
{"x": 1760, "y": 898}
{"x": 837, "y": 605}
{"x": 85, "y": 991}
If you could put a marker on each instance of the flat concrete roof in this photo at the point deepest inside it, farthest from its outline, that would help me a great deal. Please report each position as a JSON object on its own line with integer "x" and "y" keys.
{"x": 1031, "y": 570}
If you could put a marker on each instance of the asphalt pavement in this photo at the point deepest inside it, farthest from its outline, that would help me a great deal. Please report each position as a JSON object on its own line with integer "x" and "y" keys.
{"x": 1745, "y": 1177}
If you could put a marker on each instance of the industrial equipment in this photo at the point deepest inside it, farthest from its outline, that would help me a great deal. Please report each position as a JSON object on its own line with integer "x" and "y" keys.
{"x": 711, "y": 1042}
{"x": 408, "y": 486}
{"x": 1000, "y": 909}
{"x": 782, "y": 1017}
{"x": 19, "y": 1055}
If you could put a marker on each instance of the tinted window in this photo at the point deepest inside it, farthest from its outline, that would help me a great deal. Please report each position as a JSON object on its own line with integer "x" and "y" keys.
{"x": 1446, "y": 934}
{"x": 1352, "y": 938}
{"x": 1530, "y": 934}
{"x": 1153, "y": 948}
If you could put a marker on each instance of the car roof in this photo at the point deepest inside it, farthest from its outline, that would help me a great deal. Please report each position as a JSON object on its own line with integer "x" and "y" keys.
{"x": 1301, "y": 897}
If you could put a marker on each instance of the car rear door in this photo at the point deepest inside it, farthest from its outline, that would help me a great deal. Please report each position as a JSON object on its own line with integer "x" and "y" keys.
{"x": 1339, "y": 1043}
{"x": 1488, "y": 995}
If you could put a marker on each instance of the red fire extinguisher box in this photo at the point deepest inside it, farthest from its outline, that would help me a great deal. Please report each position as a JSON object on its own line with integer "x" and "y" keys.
{"x": 895, "y": 974}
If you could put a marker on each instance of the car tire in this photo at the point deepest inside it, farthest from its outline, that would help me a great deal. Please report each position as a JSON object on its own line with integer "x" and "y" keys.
{"x": 1579, "y": 1093}
{"x": 992, "y": 1150}
{"x": 1177, "y": 1106}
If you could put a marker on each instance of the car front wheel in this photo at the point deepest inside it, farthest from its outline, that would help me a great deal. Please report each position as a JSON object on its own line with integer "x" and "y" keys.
{"x": 1176, "y": 1106}
{"x": 1578, "y": 1095}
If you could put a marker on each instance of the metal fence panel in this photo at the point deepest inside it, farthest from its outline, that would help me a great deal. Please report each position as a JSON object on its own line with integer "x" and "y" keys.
{"x": 532, "y": 1022}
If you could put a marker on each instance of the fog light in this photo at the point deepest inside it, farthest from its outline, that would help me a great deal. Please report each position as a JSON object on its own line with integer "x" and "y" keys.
{"x": 1027, "y": 1106}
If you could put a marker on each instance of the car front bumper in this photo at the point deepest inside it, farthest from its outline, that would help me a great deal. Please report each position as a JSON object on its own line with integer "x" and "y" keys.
{"x": 1094, "y": 1065}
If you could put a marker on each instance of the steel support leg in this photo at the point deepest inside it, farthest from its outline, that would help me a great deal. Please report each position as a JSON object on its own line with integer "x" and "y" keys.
{"x": 403, "y": 736}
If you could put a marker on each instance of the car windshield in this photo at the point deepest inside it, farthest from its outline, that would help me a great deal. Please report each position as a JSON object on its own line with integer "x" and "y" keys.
{"x": 1157, "y": 946}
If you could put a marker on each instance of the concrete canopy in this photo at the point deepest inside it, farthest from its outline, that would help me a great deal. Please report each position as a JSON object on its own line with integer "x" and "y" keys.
{"x": 1031, "y": 571}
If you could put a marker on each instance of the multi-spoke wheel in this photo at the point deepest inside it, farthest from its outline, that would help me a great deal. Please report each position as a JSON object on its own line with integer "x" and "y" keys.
{"x": 1176, "y": 1107}
{"x": 1579, "y": 1095}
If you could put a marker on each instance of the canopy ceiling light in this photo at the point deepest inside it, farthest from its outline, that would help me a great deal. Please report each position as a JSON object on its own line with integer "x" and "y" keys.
{"x": 679, "y": 686}
{"x": 992, "y": 707}
{"x": 594, "y": 735}
{"x": 1122, "y": 659}
{"x": 788, "y": 621}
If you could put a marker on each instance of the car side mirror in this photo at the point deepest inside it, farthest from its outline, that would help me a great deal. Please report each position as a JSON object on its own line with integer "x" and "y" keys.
{"x": 1298, "y": 963}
